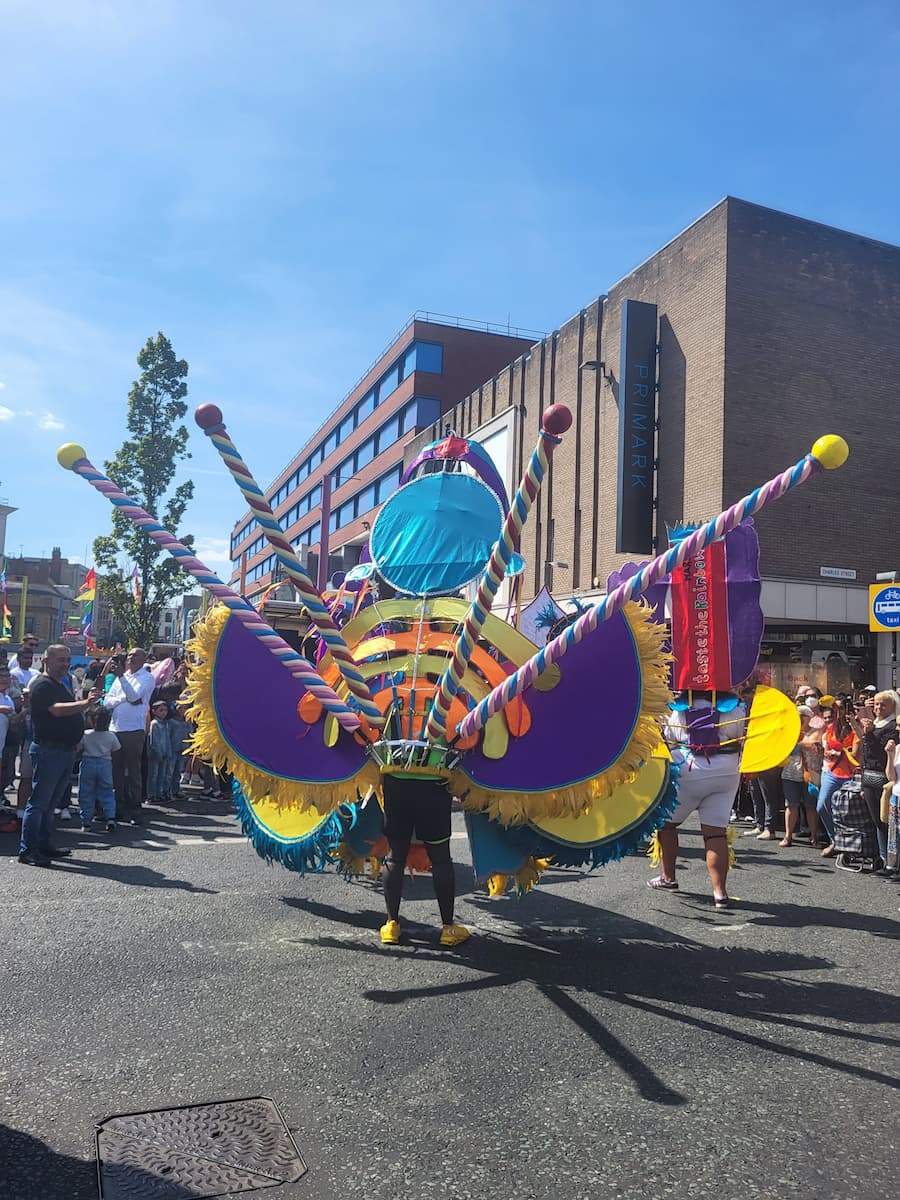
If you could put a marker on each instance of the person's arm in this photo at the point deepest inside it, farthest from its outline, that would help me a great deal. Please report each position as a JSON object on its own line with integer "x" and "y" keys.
{"x": 72, "y": 708}
{"x": 891, "y": 766}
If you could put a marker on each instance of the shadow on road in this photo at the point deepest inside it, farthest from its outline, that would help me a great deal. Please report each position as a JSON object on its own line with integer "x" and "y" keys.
{"x": 31, "y": 1169}
{"x": 143, "y": 877}
{"x": 573, "y": 952}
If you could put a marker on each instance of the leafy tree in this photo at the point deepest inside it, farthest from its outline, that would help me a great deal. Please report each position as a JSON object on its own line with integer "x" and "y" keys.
{"x": 144, "y": 467}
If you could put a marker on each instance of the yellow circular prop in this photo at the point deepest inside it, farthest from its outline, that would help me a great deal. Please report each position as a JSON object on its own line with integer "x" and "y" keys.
{"x": 69, "y": 454}
{"x": 626, "y": 807}
{"x": 831, "y": 451}
{"x": 772, "y": 731}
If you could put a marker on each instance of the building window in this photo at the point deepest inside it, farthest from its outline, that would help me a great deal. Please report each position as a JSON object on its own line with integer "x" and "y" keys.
{"x": 365, "y": 453}
{"x": 347, "y": 426}
{"x": 366, "y": 499}
{"x": 389, "y": 383}
{"x": 388, "y": 434}
{"x": 424, "y": 356}
{"x": 388, "y": 483}
{"x": 365, "y": 407}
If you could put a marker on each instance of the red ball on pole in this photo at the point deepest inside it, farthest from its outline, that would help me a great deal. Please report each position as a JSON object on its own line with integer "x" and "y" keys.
{"x": 556, "y": 419}
{"x": 208, "y": 415}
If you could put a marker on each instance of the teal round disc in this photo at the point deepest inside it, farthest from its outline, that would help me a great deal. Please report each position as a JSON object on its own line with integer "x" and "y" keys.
{"x": 436, "y": 534}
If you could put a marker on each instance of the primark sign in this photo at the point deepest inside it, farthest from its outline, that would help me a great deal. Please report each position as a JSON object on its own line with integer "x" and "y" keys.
{"x": 637, "y": 429}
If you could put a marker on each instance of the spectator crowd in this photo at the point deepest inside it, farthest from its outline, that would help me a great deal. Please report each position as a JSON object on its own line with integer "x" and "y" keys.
{"x": 116, "y": 734}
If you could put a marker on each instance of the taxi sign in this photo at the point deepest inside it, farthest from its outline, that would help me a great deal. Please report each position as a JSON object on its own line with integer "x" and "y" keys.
{"x": 884, "y": 607}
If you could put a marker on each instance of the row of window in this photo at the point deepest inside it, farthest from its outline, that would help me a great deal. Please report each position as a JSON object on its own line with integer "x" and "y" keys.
{"x": 357, "y": 506}
{"x": 417, "y": 413}
{"x": 420, "y": 356}
{"x": 365, "y": 500}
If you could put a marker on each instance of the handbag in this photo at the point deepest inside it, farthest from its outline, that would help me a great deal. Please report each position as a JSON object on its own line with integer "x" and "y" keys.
{"x": 873, "y": 779}
{"x": 885, "y": 812}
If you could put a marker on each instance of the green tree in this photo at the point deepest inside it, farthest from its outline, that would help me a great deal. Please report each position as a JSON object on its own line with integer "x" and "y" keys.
{"x": 144, "y": 467}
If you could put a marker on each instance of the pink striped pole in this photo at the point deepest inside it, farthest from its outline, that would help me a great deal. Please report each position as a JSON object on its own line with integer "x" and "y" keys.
{"x": 554, "y": 423}
{"x": 829, "y": 452}
{"x": 73, "y": 458}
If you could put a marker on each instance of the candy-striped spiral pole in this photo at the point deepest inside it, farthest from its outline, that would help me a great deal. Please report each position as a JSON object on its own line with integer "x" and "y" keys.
{"x": 73, "y": 458}
{"x": 555, "y": 421}
{"x": 828, "y": 452}
{"x": 209, "y": 418}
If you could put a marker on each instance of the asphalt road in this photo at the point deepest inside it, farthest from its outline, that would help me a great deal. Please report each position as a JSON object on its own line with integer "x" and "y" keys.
{"x": 594, "y": 1040}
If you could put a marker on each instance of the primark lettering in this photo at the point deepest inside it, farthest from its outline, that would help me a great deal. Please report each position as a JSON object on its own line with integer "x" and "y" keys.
{"x": 641, "y": 409}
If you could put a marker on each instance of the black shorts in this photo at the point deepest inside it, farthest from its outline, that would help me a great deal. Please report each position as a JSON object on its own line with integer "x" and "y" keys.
{"x": 415, "y": 806}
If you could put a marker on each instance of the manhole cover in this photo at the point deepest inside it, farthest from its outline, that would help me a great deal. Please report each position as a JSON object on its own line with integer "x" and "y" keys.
{"x": 200, "y": 1150}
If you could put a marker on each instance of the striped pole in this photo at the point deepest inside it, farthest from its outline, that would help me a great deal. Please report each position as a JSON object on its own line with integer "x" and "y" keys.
{"x": 209, "y": 418}
{"x": 73, "y": 458}
{"x": 829, "y": 452}
{"x": 555, "y": 421}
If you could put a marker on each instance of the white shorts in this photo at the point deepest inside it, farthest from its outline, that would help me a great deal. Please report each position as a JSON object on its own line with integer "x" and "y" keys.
{"x": 708, "y": 788}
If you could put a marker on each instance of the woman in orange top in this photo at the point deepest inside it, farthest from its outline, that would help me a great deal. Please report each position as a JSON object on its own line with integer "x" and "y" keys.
{"x": 839, "y": 743}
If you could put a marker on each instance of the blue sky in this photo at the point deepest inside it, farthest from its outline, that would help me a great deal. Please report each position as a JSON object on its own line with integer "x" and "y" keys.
{"x": 278, "y": 186}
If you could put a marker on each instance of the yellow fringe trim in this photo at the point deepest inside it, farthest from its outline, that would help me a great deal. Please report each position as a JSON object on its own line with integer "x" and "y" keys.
{"x": 730, "y": 835}
{"x": 654, "y": 850}
{"x": 516, "y": 808}
{"x": 525, "y": 878}
{"x": 508, "y": 808}
{"x": 353, "y": 864}
{"x": 209, "y": 742}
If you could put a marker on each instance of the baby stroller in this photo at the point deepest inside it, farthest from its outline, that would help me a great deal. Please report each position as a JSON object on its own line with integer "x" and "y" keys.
{"x": 854, "y": 831}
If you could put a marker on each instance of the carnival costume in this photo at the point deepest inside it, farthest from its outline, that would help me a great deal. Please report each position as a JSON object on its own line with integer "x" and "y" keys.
{"x": 550, "y": 762}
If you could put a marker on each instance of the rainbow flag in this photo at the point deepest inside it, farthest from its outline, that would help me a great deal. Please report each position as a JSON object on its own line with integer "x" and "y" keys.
{"x": 86, "y": 597}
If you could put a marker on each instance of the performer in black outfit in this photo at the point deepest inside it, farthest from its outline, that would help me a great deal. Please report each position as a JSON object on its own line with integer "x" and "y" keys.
{"x": 418, "y": 806}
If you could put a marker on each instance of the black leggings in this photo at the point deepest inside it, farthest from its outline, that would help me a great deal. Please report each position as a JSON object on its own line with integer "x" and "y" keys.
{"x": 442, "y": 874}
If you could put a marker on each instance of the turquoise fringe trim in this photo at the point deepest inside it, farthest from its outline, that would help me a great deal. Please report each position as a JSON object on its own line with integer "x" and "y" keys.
{"x": 306, "y": 854}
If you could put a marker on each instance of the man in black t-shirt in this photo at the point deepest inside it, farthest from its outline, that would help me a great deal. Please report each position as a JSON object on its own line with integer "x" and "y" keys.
{"x": 58, "y": 728}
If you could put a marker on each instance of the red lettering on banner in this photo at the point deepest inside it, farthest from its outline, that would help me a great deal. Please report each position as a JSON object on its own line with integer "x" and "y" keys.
{"x": 700, "y": 621}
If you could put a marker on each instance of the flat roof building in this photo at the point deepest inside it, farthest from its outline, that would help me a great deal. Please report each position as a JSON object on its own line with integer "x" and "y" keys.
{"x": 431, "y": 364}
{"x": 771, "y": 330}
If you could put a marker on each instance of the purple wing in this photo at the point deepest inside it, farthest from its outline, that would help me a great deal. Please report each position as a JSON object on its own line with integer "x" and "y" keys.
{"x": 256, "y": 700}
{"x": 580, "y": 727}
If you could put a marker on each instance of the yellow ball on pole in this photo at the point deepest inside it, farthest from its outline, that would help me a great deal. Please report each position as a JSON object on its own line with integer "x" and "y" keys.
{"x": 67, "y": 456}
{"x": 830, "y": 451}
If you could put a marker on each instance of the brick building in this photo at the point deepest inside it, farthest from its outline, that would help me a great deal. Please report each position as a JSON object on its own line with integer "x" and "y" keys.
{"x": 49, "y": 586}
{"x": 354, "y": 460}
{"x": 772, "y": 330}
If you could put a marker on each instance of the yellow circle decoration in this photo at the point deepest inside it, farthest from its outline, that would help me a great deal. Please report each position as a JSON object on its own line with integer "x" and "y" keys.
{"x": 772, "y": 731}
{"x": 831, "y": 451}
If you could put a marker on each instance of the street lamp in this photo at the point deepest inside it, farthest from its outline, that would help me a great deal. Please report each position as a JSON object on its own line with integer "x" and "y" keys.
{"x": 890, "y": 577}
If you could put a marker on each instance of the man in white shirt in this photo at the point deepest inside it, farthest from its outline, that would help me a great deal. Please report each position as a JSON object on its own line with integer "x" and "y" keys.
{"x": 128, "y": 700}
{"x": 29, "y": 644}
{"x": 22, "y": 670}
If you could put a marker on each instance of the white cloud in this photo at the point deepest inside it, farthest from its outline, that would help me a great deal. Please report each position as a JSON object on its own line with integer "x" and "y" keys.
{"x": 2, "y": 386}
{"x": 49, "y": 421}
{"x": 6, "y": 414}
{"x": 213, "y": 553}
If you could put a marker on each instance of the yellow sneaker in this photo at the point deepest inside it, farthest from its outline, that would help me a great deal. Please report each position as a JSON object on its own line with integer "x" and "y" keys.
{"x": 452, "y": 935}
{"x": 390, "y": 933}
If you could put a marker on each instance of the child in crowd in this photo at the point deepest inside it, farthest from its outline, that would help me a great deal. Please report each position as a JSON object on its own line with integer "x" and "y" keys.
{"x": 181, "y": 732}
{"x": 95, "y": 782}
{"x": 159, "y": 753}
